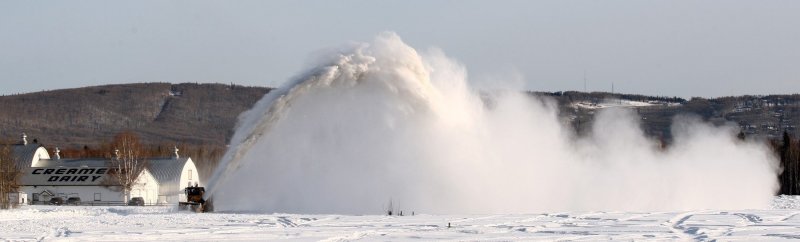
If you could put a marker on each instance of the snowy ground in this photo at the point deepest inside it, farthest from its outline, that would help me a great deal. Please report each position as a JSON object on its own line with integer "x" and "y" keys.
{"x": 69, "y": 223}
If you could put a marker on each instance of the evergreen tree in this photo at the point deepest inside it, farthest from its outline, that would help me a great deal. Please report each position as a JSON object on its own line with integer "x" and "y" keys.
{"x": 791, "y": 166}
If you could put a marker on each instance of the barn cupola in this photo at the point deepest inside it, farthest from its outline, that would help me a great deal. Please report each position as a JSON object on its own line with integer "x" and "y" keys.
{"x": 176, "y": 156}
{"x": 24, "y": 139}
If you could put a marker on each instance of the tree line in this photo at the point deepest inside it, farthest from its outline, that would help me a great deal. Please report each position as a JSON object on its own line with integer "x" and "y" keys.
{"x": 788, "y": 150}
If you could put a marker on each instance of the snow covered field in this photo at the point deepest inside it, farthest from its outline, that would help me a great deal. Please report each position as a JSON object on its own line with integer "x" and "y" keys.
{"x": 69, "y": 223}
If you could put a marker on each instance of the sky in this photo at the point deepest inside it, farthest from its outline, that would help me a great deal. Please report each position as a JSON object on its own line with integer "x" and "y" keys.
{"x": 666, "y": 48}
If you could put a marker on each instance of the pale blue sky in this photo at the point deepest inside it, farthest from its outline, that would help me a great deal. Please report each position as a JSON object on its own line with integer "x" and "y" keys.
{"x": 672, "y": 48}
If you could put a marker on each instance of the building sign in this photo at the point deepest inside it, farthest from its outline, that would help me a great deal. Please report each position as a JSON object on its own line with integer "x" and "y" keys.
{"x": 64, "y": 176}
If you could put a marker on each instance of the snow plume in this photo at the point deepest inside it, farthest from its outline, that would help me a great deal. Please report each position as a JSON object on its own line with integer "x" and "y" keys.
{"x": 381, "y": 122}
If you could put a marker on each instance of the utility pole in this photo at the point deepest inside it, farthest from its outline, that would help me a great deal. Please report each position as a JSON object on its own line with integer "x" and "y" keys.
{"x": 584, "y": 80}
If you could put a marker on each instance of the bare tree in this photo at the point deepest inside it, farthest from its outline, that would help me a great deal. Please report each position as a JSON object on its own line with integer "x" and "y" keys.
{"x": 127, "y": 163}
{"x": 9, "y": 176}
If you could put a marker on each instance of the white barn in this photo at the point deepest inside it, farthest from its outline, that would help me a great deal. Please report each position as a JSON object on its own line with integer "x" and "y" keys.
{"x": 44, "y": 177}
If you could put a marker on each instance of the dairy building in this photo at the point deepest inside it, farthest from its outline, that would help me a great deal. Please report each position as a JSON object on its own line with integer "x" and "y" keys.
{"x": 161, "y": 181}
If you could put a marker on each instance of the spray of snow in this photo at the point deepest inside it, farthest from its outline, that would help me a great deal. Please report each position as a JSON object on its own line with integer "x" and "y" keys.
{"x": 381, "y": 122}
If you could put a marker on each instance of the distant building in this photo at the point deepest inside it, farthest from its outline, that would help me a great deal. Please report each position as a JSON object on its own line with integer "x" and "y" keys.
{"x": 44, "y": 177}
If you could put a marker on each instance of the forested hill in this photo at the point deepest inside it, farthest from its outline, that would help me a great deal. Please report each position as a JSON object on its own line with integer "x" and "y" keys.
{"x": 188, "y": 113}
{"x": 206, "y": 114}
{"x": 755, "y": 115}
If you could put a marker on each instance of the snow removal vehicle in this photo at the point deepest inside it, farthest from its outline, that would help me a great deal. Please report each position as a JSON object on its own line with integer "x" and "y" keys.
{"x": 194, "y": 200}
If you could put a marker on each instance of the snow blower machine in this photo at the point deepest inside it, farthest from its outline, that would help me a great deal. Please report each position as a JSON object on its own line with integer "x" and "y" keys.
{"x": 195, "y": 201}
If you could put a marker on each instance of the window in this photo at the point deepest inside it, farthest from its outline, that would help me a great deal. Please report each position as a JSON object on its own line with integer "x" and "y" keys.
{"x": 190, "y": 174}
{"x": 36, "y": 197}
{"x": 97, "y": 196}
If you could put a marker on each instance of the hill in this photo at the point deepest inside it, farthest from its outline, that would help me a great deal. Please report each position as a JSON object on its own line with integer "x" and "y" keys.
{"x": 205, "y": 114}
{"x": 756, "y": 116}
{"x": 187, "y": 113}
